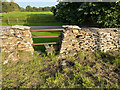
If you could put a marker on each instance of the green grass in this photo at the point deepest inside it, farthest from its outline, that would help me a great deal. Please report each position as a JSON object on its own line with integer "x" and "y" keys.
{"x": 24, "y": 14}
{"x": 33, "y": 19}
{"x": 34, "y": 71}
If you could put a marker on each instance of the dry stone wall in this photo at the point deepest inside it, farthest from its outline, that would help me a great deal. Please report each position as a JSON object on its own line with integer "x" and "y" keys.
{"x": 75, "y": 38}
{"x": 15, "y": 39}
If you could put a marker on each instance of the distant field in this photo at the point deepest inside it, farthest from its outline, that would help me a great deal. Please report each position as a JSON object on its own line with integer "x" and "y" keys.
{"x": 24, "y": 14}
{"x": 30, "y": 19}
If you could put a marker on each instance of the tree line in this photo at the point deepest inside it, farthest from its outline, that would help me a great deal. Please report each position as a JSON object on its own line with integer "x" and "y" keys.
{"x": 35, "y": 9}
{"x": 12, "y": 6}
{"x": 105, "y": 14}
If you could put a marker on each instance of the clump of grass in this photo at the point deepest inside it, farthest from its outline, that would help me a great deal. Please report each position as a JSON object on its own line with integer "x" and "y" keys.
{"x": 116, "y": 62}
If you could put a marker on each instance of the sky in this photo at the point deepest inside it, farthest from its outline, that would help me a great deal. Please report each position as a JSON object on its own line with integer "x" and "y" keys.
{"x": 36, "y": 3}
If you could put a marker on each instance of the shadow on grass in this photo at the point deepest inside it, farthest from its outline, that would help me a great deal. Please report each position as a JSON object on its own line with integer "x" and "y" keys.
{"x": 42, "y": 20}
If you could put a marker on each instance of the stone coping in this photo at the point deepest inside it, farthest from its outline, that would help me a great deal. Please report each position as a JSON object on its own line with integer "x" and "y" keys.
{"x": 91, "y": 29}
{"x": 20, "y": 27}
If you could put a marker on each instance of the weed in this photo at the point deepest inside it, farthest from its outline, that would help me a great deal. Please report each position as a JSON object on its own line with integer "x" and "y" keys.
{"x": 81, "y": 55}
{"x": 98, "y": 55}
{"x": 117, "y": 61}
{"x": 51, "y": 55}
{"x": 78, "y": 65}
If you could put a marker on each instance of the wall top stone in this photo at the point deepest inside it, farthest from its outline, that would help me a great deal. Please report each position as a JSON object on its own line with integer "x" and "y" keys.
{"x": 91, "y": 29}
{"x": 20, "y": 27}
{"x": 71, "y": 26}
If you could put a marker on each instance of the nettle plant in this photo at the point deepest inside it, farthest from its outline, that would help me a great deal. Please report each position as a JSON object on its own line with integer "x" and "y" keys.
{"x": 105, "y": 14}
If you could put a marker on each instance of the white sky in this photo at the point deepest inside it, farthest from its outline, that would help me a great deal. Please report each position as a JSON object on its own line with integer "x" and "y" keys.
{"x": 36, "y": 3}
{"x": 34, "y": 0}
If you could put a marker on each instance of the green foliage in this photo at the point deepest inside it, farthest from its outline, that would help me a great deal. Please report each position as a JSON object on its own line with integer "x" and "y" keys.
{"x": 117, "y": 61}
{"x": 28, "y": 8}
{"x": 10, "y": 6}
{"x": 92, "y": 13}
{"x": 35, "y": 9}
{"x": 53, "y": 9}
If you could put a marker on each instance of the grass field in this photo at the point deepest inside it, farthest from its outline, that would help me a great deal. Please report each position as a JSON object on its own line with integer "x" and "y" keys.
{"x": 30, "y": 19}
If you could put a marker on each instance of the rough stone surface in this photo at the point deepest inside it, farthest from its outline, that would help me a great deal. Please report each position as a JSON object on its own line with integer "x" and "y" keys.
{"x": 15, "y": 39}
{"x": 89, "y": 39}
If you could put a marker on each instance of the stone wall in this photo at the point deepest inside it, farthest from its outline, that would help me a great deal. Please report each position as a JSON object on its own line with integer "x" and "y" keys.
{"x": 15, "y": 39}
{"x": 75, "y": 38}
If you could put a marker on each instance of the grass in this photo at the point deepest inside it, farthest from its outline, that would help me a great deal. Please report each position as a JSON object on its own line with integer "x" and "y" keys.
{"x": 24, "y": 14}
{"x": 30, "y": 19}
{"x": 34, "y": 71}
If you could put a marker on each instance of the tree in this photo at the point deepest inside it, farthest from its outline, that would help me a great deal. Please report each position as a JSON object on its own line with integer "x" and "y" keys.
{"x": 53, "y": 9}
{"x": 10, "y": 6}
{"x": 40, "y": 9}
{"x": 103, "y": 14}
{"x": 29, "y": 8}
{"x": 35, "y": 9}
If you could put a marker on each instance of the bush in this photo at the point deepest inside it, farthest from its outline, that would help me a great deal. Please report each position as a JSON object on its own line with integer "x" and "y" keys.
{"x": 103, "y": 14}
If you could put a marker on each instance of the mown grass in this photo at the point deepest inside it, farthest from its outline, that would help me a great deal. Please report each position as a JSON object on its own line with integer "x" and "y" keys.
{"x": 85, "y": 70}
{"x": 30, "y": 19}
{"x": 24, "y": 14}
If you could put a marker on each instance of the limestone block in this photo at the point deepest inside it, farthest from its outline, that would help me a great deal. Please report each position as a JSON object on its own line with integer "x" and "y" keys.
{"x": 75, "y": 31}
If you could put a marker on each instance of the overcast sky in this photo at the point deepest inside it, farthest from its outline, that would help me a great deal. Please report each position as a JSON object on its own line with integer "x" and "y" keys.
{"x": 36, "y": 3}
{"x": 34, "y": 0}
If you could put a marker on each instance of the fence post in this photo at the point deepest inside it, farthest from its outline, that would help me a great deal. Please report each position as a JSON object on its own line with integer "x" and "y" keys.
{"x": 8, "y": 20}
{"x": 60, "y": 40}
{"x": 26, "y": 19}
{"x": 17, "y": 19}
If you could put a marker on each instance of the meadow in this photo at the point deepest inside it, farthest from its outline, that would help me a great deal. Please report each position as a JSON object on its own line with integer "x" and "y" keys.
{"x": 30, "y": 19}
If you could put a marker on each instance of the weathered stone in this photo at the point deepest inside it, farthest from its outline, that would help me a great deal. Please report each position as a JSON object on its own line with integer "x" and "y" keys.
{"x": 89, "y": 39}
{"x": 17, "y": 38}
{"x": 75, "y": 31}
